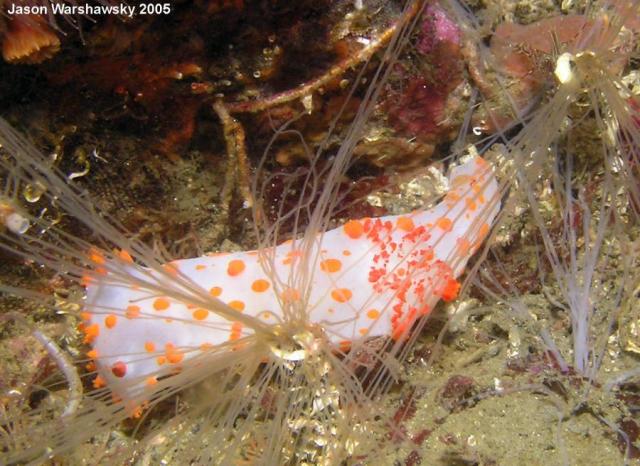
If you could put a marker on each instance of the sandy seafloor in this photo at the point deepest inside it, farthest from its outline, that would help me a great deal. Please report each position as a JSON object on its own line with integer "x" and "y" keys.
{"x": 486, "y": 393}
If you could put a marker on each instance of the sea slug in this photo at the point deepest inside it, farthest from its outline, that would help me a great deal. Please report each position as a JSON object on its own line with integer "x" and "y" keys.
{"x": 369, "y": 277}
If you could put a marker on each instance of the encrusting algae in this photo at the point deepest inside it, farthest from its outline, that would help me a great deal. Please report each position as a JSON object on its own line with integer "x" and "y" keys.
{"x": 323, "y": 342}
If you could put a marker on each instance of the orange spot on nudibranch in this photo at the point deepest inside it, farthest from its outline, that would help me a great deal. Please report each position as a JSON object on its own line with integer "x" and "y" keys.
{"x": 92, "y": 354}
{"x": 125, "y": 256}
{"x": 406, "y": 224}
{"x": 200, "y": 267}
{"x": 399, "y": 331}
{"x": 161, "y": 304}
{"x": 346, "y": 252}
{"x": 471, "y": 204}
{"x": 174, "y": 356}
{"x": 331, "y": 265}
{"x": 86, "y": 280}
{"x": 161, "y": 360}
{"x": 345, "y": 345}
{"x": 464, "y": 244}
{"x": 363, "y": 331}
{"x": 444, "y": 223}
{"x": 99, "y": 382}
{"x": 484, "y": 229}
{"x": 171, "y": 268}
{"x": 260, "y": 285}
{"x": 373, "y": 314}
{"x": 215, "y": 291}
{"x": 235, "y": 267}
{"x": 96, "y": 256}
{"x": 342, "y": 295}
{"x": 150, "y": 347}
{"x": 132, "y": 311}
{"x": 91, "y": 332}
{"x": 237, "y": 305}
{"x": 151, "y": 381}
{"x": 200, "y": 314}
{"x": 136, "y": 412}
{"x": 119, "y": 369}
{"x": 353, "y": 229}
{"x": 236, "y": 331}
{"x": 110, "y": 321}
{"x": 291, "y": 255}
{"x": 451, "y": 289}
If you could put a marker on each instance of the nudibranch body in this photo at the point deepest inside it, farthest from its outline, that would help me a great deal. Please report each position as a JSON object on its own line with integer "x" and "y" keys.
{"x": 372, "y": 277}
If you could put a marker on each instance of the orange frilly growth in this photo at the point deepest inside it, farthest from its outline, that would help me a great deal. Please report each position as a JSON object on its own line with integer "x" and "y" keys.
{"x": 29, "y": 40}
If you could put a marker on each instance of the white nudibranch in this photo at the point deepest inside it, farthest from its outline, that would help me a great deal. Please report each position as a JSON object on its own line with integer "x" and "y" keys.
{"x": 370, "y": 277}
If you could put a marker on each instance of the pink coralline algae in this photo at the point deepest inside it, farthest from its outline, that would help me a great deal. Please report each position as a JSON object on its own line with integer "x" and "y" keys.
{"x": 437, "y": 30}
{"x": 427, "y": 100}
{"x": 439, "y": 43}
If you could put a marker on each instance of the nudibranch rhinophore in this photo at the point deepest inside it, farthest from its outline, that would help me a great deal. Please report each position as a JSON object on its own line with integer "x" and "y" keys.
{"x": 373, "y": 277}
